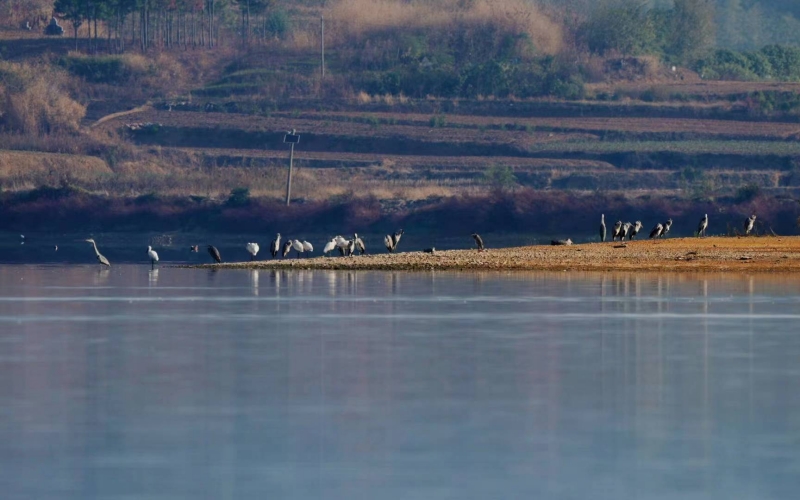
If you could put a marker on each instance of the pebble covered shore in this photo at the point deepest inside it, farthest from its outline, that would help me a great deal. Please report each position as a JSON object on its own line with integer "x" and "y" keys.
{"x": 763, "y": 254}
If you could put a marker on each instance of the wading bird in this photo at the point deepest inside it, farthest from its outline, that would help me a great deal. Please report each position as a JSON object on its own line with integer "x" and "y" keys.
{"x": 298, "y": 247}
{"x": 153, "y": 256}
{"x": 276, "y": 246}
{"x": 617, "y": 232}
{"x": 624, "y": 231}
{"x": 748, "y": 224}
{"x": 351, "y": 248}
{"x": 307, "y": 247}
{"x": 214, "y": 253}
{"x": 667, "y": 227}
{"x": 478, "y": 241}
{"x": 391, "y": 240}
{"x": 252, "y": 249}
{"x": 194, "y": 248}
{"x": 342, "y": 244}
{"x": 701, "y": 228}
{"x": 329, "y": 247}
{"x": 55, "y": 248}
{"x": 635, "y": 229}
{"x": 657, "y": 231}
{"x": 359, "y": 244}
{"x": 287, "y": 247}
{"x": 602, "y": 227}
{"x": 100, "y": 258}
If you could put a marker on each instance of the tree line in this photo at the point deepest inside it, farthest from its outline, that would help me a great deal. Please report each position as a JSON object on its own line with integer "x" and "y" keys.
{"x": 170, "y": 23}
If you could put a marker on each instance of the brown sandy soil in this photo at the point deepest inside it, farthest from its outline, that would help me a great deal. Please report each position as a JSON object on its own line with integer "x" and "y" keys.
{"x": 754, "y": 254}
{"x": 417, "y": 125}
{"x": 403, "y": 160}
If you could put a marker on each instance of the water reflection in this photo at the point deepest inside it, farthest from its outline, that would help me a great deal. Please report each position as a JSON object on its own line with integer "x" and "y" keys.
{"x": 397, "y": 385}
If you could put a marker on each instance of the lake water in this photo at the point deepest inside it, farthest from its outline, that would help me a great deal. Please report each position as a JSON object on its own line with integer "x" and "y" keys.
{"x": 190, "y": 384}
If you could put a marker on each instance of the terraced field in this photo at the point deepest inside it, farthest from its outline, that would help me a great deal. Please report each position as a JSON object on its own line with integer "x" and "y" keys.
{"x": 630, "y": 154}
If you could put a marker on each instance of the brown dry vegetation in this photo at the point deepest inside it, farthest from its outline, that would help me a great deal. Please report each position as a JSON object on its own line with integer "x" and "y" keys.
{"x": 356, "y": 19}
{"x": 768, "y": 254}
{"x": 34, "y": 100}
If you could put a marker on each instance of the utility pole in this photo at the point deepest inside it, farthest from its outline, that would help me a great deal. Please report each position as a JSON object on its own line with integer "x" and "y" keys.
{"x": 322, "y": 42}
{"x": 292, "y": 137}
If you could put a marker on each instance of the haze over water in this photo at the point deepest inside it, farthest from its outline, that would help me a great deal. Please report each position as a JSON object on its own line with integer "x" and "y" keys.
{"x": 187, "y": 383}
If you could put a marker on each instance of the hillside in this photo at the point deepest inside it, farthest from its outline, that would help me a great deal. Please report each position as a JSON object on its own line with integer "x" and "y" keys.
{"x": 191, "y": 136}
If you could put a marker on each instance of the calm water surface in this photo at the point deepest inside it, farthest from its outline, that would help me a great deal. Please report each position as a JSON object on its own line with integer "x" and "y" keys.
{"x": 188, "y": 384}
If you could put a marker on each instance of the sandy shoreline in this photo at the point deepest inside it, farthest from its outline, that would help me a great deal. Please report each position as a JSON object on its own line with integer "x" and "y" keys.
{"x": 762, "y": 254}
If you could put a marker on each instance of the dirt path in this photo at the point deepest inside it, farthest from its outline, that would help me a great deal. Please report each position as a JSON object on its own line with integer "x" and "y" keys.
{"x": 762, "y": 254}
{"x": 106, "y": 118}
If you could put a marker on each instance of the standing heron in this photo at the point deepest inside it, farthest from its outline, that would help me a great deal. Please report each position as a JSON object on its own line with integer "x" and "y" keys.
{"x": 478, "y": 241}
{"x": 252, "y": 249}
{"x": 617, "y": 232}
{"x": 623, "y": 233}
{"x": 298, "y": 247}
{"x": 667, "y": 227}
{"x": 602, "y": 227}
{"x": 359, "y": 244}
{"x": 276, "y": 246}
{"x": 748, "y": 224}
{"x": 153, "y": 256}
{"x": 635, "y": 229}
{"x": 351, "y": 248}
{"x": 100, "y": 257}
{"x": 387, "y": 242}
{"x": 329, "y": 247}
{"x": 287, "y": 247}
{"x": 701, "y": 228}
{"x": 391, "y": 240}
{"x": 307, "y": 247}
{"x": 214, "y": 253}
{"x": 657, "y": 231}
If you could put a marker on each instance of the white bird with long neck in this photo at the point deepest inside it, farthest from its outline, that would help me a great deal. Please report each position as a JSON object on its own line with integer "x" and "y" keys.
{"x": 307, "y": 247}
{"x": 102, "y": 260}
{"x": 276, "y": 246}
{"x": 153, "y": 256}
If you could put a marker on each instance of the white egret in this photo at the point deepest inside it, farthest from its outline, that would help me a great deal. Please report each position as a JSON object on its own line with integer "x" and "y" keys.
{"x": 252, "y": 249}
{"x": 297, "y": 245}
{"x": 307, "y": 247}
{"x": 329, "y": 247}
{"x": 153, "y": 256}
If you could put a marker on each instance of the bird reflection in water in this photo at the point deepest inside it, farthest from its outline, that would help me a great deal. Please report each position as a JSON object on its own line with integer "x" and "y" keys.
{"x": 254, "y": 282}
{"x": 152, "y": 277}
{"x": 101, "y": 277}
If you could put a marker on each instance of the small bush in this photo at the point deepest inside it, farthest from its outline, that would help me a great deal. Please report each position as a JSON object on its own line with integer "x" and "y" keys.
{"x": 747, "y": 193}
{"x": 239, "y": 197}
{"x": 500, "y": 177}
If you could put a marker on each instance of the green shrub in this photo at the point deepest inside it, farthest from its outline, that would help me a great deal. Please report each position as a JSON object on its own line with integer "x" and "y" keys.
{"x": 747, "y": 193}
{"x": 239, "y": 197}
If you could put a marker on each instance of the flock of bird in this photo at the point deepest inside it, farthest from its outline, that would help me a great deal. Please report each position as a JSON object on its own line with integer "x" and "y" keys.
{"x": 346, "y": 247}
{"x": 355, "y": 245}
{"x": 628, "y": 230}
